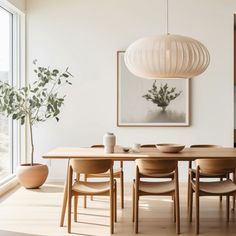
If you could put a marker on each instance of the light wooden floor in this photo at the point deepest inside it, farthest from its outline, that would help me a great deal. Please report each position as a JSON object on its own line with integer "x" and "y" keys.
{"x": 36, "y": 212}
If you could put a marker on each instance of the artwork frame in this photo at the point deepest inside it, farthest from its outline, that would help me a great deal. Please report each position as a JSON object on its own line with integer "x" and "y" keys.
{"x": 172, "y": 118}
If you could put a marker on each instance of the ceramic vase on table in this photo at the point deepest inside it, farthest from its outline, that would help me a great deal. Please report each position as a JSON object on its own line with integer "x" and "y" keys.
{"x": 109, "y": 142}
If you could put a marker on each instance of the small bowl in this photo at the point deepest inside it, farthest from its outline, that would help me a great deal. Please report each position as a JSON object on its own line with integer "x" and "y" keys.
{"x": 170, "y": 148}
{"x": 126, "y": 149}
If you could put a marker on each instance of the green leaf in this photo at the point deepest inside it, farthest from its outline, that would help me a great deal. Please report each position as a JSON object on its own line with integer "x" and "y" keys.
{"x": 68, "y": 82}
{"x": 25, "y": 89}
{"x": 65, "y": 75}
{"x": 18, "y": 98}
{"x": 22, "y": 121}
{"x": 69, "y": 73}
{"x": 35, "y": 90}
{"x": 55, "y": 71}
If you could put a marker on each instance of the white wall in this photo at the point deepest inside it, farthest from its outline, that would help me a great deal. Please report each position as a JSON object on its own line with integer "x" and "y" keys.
{"x": 85, "y": 35}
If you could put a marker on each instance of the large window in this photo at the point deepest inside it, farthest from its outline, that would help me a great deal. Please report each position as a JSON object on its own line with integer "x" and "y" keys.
{"x": 8, "y": 73}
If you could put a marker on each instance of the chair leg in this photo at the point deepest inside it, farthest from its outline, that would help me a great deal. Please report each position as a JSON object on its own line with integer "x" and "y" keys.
{"x": 188, "y": 192}
{"x": 197, "y": 213}
{"x": 115, "y": 203}
{"x": 227, "y": 208}
{"x": 85, "y": 201}
{"x": 85, "y": 196}
{"x": 233, "y": 203}
{"x": 75, "y": 208}
{"x": 190, "y": 204}
{"x": 136, "y": 212}
{"x": 177, "y": 212}
{"x": 221, "y": 179}
{"x": 174, "y": 202}
{"x": 91, "y": 197}
{"x": 122, "y": 189}
{"x": 111, "y": 212}
{"x": 69, "y": 213}
{"x": 172, "y": 197}
{"x": 133, "y": 202}
{"x": 70, "y": 175}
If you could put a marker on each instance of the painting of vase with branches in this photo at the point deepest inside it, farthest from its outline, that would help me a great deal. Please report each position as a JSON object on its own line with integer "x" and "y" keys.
{"x": 147, "y": 102}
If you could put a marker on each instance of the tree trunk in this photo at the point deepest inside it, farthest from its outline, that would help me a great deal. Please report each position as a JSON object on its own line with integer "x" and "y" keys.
{"x": 164, "y": 108}
{"x": 32, "y": 141}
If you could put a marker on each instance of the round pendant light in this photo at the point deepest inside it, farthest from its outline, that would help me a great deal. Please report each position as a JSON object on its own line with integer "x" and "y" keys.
{"x": 167, "y": 56}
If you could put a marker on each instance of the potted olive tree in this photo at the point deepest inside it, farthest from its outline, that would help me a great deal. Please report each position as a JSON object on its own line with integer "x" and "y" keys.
{"x": 34, "y": 103}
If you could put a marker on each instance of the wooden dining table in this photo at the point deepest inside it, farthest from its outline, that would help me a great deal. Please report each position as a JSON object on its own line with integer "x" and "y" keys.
{"x": 188, "y": 154}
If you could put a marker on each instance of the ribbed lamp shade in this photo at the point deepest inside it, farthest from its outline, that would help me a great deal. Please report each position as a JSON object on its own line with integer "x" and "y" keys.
{"x": 167, "y": 56}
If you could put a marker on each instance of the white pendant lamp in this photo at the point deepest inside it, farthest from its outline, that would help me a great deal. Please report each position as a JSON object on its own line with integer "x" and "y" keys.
{"x": 167, "y": 56}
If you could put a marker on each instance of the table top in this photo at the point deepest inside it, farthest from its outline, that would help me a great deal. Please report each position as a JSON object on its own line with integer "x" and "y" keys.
{"x": 147, "y": 153}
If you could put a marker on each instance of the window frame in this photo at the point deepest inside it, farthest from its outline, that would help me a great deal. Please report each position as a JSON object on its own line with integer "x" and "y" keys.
{"x": 17, "y": 69}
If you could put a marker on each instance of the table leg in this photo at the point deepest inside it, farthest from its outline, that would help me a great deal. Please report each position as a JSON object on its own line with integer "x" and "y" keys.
{"x": 64, "y": 203}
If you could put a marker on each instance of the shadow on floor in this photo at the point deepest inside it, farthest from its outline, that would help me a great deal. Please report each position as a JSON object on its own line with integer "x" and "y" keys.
{"x": 95, "y": 215}
{"x": 11, "y": 233}
{"x": 83, "y": 234}
{"x": 48, "y": 189}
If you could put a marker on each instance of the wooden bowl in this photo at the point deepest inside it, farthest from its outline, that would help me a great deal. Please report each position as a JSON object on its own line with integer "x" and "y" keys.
{"x": 169, "y": 148}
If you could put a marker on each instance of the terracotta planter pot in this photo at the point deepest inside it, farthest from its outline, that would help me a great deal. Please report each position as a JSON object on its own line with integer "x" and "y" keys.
{"x": 32, "y": 176}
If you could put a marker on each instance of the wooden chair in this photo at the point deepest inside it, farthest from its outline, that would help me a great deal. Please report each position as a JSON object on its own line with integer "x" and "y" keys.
{"x": 118, "y": 173}
{"x": 202, "y": 175}
{"x": 105, "y": 188}
{"x": 156, "y": 169}
{"x": 154, "y": 146}
{"x": 217, "y": 188}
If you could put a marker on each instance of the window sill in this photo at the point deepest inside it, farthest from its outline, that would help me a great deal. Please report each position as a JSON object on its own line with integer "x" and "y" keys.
{"x": 8, "y": 185}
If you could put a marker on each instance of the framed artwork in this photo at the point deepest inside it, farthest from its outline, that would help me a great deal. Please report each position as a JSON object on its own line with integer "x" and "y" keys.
{"x": 145, "y": 102}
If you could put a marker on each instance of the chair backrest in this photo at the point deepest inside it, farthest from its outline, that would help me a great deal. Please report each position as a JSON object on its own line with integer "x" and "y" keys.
{"x": 152, "y": 167}
{"x": 220, "y": 166}
{"x": 210, "y": 166}
{"x": 102, "y": 146}
{"x": 91, "y": 166}
{"x": 148, "y": 146}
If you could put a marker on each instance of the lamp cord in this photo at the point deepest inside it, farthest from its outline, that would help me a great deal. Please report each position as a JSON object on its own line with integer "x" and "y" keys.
{"x": 167, "y": 16}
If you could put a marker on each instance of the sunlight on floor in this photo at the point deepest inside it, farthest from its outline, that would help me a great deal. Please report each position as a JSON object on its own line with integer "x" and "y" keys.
{"x": 37, "y": 213}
